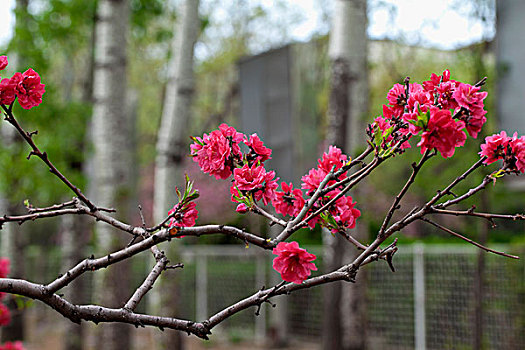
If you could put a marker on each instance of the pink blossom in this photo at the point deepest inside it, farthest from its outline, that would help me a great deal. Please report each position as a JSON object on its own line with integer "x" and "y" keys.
{"x": 495, "y": 147}
{"x": 17, "y": 345}
{"x": 5, "y": 315}
{"x": 256, "y": 180}
{"x": 29, "y": 89}
{"x": 217, "y": 151}
{"x": 242, "y": 208}
{"x": 419, "y": 100}
{"x": 471, "y": 100}
{"x": 185, "y": 217}
{"x": 345, "y": 213}
{"x": 436, "y": 80}
{"x": 212, "y": 152}
{"x": 334, "y": 157}
{"x": 3, "y": 62}
{"x": 384, "y": 125}
{"x": 442, "y": 133}
{"x": 7, "y": 91}
{"x": 289, "y": 201}
{"x": 468, "y": 96}
{"x": 293, "y": 263}
{"x": 397, "y": 96}
{"x": 257, "y": 146}
{"x": 390, "y": 112}
{"x": 313, "y": 179}
{"x": 517, "y": 146}
{"x": 4, "y": 267}
{"x": 445, "y": 93}
{"x": 474, "y": 120}
{"x": 248, "y": 178}
{"x": 267, "y": 193}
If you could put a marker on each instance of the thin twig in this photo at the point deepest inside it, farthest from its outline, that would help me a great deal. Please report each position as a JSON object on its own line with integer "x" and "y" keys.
{"x": 415, "y": 170}
{"x": 273, "y": 219}
{"x": 147, "y": 285}
{"x": 28, "y": 137}
{"x": 455, "y": 234}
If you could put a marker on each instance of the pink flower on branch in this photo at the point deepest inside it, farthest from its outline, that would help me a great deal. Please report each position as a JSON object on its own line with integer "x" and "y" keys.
{"x": 442, "y": 133}
{"x": 495, "y": 147}
{"x": 254, "y": 180}
{"x": 517, "y": 146}
{"x": 7, "y": 91}
{"x": 293, "y": 263}
{"x": 185, "y": 217}
{"x": 216, "y": 153}
{"x": 3, "y": 62}
{"x": 344, "y": 213}
{"x": 257, "y": 147}
{"x": 289, "y": 201}
{"x": 29, "y": 89}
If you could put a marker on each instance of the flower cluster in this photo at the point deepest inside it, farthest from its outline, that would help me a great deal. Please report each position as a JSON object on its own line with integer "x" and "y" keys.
{"x": 24, "y": 86}
{"x": 293, "y": 263}
{"x": 510, "y": 149}
{"x": 341, "y": 214}
{"x": 440, "y": 110}
{"x": 184, "y": 216}
{"x": 219, "y": 154}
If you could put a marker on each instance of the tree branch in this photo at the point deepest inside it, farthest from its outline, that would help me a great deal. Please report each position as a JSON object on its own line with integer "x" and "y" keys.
{"x": 28, "y": 137}
{"x": 468, "y": 239}
{"x": 147, "y": 285}
{"x": 410, "y": 181}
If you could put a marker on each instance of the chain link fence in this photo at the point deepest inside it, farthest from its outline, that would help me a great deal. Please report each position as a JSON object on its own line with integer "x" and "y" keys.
{"x": 428, "y": 303}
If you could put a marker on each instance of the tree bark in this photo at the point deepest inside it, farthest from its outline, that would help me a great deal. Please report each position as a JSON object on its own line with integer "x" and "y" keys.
{"x": 172, "y": 145}
{"x": 344, "y": 316}
{"x": 113, "y": 166}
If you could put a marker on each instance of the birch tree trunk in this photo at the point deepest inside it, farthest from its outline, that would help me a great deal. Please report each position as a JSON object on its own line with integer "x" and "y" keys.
{"x": 113, "y": 165}
{"x": 344, "y": 316}
{"x": 172, "y": 144}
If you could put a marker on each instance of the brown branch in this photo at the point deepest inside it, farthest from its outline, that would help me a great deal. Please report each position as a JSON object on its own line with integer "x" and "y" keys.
{"x": 455, "y": 234}
{"x": 488, "y": 216}
{"x": 273, "y": 219}
{"x": 291, "y": 226}
{"x": 20, "y": 219}
{"x": 410, "y": 181}
{"x": 147, "y": 285}
{"x": 228, "y": 230}
{"x": 28, "y": 137}
{"x": 33, "y": 210}
{"x": 92, "y": 264}
{"x": 96, "y": 313}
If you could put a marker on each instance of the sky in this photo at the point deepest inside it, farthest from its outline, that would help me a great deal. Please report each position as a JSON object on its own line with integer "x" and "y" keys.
{"x": 431, "y": 23}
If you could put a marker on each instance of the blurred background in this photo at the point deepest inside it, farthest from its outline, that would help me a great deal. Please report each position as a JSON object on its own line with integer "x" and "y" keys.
{"x": 127, "y": 83}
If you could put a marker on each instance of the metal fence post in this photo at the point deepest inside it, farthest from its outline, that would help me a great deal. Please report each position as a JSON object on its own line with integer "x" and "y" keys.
{"x": 419, "y": 297}
{"x": 201, "y": 293}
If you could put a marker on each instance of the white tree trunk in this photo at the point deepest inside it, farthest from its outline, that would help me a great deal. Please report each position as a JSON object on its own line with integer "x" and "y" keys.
{"x": 172, "y": 146}
{"x": 173, "y": 137}
{"x": 113, "y": 165}
{"x": 344, "y": 304}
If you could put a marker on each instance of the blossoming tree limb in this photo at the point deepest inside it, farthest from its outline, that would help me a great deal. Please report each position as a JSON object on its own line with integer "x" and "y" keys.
{"x": 440, "y": 112}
